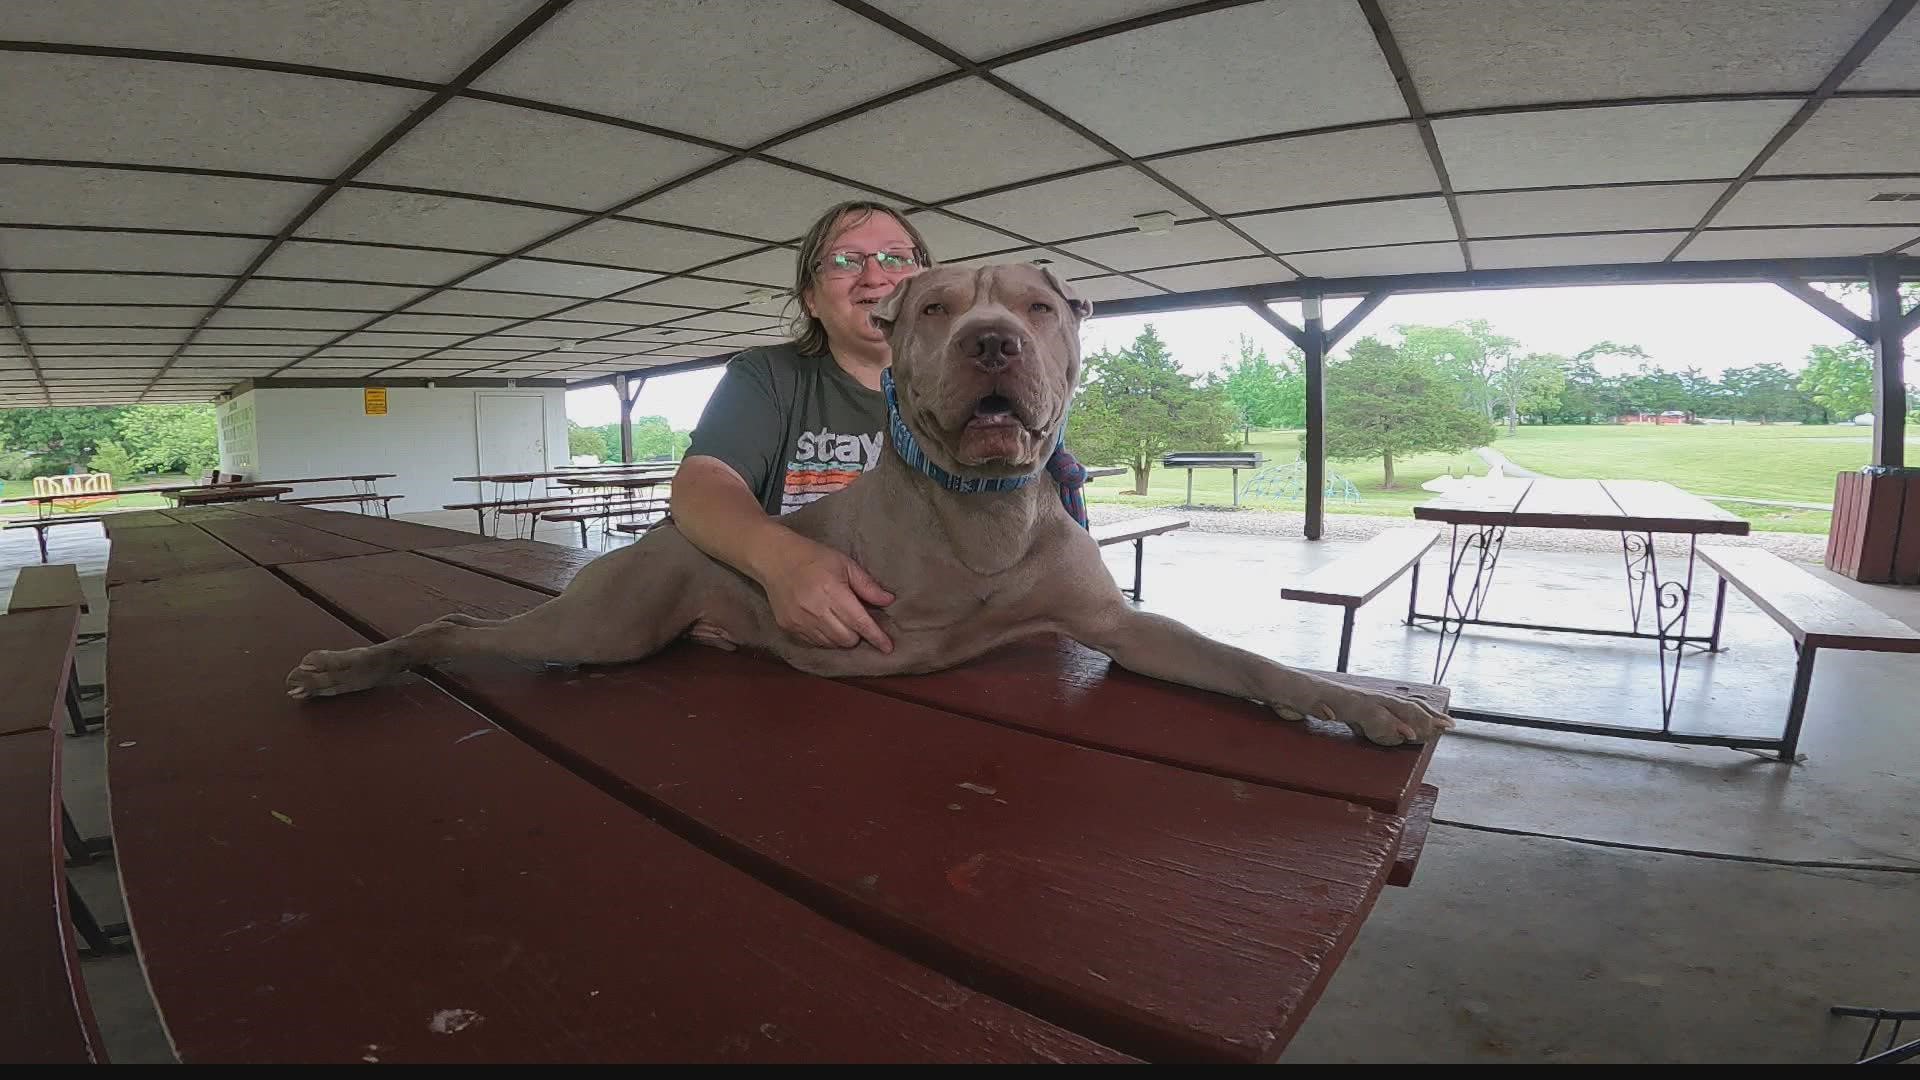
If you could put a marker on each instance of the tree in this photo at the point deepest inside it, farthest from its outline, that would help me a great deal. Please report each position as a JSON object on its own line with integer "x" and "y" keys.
{"x": 113, "y": 460}
{"x": 170, "y": 438}
{"x": 585, "y": 442}
{"x": 1763, "y": 392}
{"x": 1468, "y": 352}
{"x": 1839, "y": 379}
{"x": 60, "y": 438}
{"x": 653, "y": 437}
{"x": 1529, "y": 384}
{"x": 1135, "y": 404}
{"x": 1383, "y": 402}
{"x": 1264, "y": 394}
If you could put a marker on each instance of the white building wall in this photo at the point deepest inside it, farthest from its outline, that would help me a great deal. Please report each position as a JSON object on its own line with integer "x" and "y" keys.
{"x": 426, "y": 438}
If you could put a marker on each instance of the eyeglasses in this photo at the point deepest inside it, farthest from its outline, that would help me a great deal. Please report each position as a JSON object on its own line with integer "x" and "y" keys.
{"x": 848, "y": 263}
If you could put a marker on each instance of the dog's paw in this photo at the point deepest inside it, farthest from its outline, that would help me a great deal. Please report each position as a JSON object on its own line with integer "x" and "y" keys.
{"x": 322, "y": 674}
{"x": 1385, "y": 719}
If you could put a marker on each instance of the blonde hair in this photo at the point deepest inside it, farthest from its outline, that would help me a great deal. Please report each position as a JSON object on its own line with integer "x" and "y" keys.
{"x": 809, "y": 333}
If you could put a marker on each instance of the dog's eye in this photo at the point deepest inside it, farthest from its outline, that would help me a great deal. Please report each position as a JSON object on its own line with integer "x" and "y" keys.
{"x": 1041, "y": 307}
{"x": 934, "y": 309}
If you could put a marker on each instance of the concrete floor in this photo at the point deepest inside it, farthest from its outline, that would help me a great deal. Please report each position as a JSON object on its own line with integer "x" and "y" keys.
{"x": 1540, "y": 927}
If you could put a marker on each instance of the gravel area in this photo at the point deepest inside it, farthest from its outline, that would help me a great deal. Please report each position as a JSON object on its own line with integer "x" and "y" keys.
{"x": 1798, "y": 547}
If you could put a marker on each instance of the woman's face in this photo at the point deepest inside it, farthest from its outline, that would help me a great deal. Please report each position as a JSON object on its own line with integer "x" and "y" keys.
{"x": 842, "y": 297}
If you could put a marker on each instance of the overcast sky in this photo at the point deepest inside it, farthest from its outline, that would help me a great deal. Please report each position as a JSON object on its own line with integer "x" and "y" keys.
{"x": 1712, "y": 327}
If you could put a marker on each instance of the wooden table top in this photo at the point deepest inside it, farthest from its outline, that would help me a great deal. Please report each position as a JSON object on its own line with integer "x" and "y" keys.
{"x": 1605, "y": 505}
{"x": 704, "y": 855}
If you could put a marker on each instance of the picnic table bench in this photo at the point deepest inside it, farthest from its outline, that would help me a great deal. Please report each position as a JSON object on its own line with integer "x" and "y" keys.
{"x": 1818, "y": 616}
{"x": 1360, "y": 575}
{"x": 38, "y": 588}
{"x": 45, "y": 1017}
{"x": 1137, "y": 530}
{"x": 710, "y": 856}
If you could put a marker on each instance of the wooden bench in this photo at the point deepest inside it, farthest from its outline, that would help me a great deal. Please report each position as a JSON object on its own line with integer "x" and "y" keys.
{"x": 226, "y": 493}
{"x": 54, "y": 586}
{"x": 1817, "y": 614}
{"x": 1137, "y": 530}
{"x": 611, "y": 510}
{"x": 41, "y": 525}
{"x": 44, "y": 1014}
{"x": 385, "y": 501}
{"x": 1358, "y": 576}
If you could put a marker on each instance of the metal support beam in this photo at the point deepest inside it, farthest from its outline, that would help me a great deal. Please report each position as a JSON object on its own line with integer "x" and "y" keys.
{"x": 1312, "y": 340}
{"x": 629, "y": 389}
{"x": 1889, "y": 365}
{"x": 1273, "y": 319}
{"x": 1355, "y": 317}
{"x": 1828, "y": 306}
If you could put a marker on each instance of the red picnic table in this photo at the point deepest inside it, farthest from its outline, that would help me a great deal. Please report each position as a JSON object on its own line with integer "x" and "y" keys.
{"x": 703, "y": 856}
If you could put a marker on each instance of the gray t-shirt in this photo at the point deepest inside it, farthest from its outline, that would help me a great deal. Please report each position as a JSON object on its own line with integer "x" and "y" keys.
{"x": 795, "y": 427}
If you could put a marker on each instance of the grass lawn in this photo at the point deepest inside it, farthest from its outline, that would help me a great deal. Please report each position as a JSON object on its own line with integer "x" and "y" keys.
{"x": 13, "y": 489}
{"x": 1787, "y": 462}
{"x": 1214, "y": 487}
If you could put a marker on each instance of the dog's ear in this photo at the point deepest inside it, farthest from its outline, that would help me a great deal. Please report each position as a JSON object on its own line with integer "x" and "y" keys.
{"x": 887, "y": 311}
{"x": 1081, "y": 308}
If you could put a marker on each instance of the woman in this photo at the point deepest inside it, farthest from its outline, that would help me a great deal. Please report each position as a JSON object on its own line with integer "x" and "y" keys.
{"x": 791, "y": 423}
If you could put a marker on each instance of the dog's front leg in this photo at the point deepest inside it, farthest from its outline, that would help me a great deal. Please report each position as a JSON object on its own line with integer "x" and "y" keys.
{"x": 1161, "y": 648}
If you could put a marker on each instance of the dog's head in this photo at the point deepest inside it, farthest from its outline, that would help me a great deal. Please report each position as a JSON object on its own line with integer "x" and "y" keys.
{"x": 985, "y": 362}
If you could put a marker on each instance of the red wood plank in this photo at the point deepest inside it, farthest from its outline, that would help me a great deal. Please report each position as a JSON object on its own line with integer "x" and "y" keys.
{"x": 44, "y": 1014}
{"x": 378, "y": 531}
{"x": 1906, "y": 555}
{"x": 1413, "y": 840}
{"x": 147, "y": 554}
{"x": 36, "y": 652}
{"x": 387, "y": 876}
{"x": 114, "y": 524}
{"x": 271, "y": 542}
{"x": 1882, "y": 529}
{"x": 536, "y": 564}
{"x": 1167, "y": 912}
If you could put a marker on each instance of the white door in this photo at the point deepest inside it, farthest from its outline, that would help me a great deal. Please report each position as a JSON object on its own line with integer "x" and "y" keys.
{"x": 512, "y": 433}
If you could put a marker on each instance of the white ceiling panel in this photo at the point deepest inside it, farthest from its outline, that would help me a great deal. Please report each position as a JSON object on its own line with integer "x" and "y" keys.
{"x": 402, "y": 340}
{"x": 66, "y": 249}
{"x": 1259, "y": 270}
{"x": 625, "y": 314}
{"x": 671, "y": 352}
{"x": 1198, "y": 241}
{"x": 517, "y": 153}
{"x": 1854, "y": 135}
{"x": 1894, "y": 65}
{"x": 365, "y": 352}
{"x": 948, "y": 238}
{"x": 149, "y": 112}
{"x": 445, "y": 324}
{"x": 30, "y": 288}
{"x": 1519, "y": 213}
{"x": 752, "y": 198}
{"x": 326, "y": 294}
{"x": 52, "y": 195}
{"x": 243, "y": 336}
{"x": 481, "y": 302}
{"x": 1687, "y": 141}
{"x": 569, "y": 329}
{"x": 1315, "y": 168}
{"x": 351, "y": 262}
{"x": 341, "y": 362}
{"x": 154, "y": 352}
{"x": 421, "y": 39}
{"x": 55, "y": 336}
{"x": 1470, "y": 53}
{"x": 805, "y": 59}
{"x": 1353, "y": 225}
{"x": 399, "y": 217}
{"x": 1398, "y": 259}
{"x": 1282, "y": 65}
{"x": 1064, "y": 265}
{"x": 520, "y": 345}
{"x": 774, "y": 268}
{"x": 96, "y": 363}
{"x": 1564, "y": 250}
{"x": 1819, "y": 202}
{"x": 239, "y": 353}
{"x": 988, "y": 28}
{"x": 725, "y": 321}
{"x": 288, "y": 318}
{"x": 1077, "y": 205}
{"x": 1792, "y": 243}
{"x": 689, "y": 292}
{"x": 42, "y": 315}
{"x": 987, "y": 138}
{"x": 640, "y": 247}
{"x": 558, "y": 279}
{"x": 468, "y": 356}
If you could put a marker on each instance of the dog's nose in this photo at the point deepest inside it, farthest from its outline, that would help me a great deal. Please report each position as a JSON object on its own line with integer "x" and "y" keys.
{"x": 993, "y": 350}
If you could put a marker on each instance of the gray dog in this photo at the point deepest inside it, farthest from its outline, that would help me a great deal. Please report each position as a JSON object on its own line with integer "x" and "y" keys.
{"x": 985, "y": 362}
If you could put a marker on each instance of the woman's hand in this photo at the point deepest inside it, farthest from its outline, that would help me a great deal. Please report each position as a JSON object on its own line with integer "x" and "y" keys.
{"x": 820, "y": 596}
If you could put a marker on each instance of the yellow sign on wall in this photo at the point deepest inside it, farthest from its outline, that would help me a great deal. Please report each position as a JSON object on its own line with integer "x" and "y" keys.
{"x": 376, "y": 400}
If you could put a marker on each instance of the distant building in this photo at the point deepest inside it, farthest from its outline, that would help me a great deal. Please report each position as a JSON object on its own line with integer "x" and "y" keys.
{"x": 1671, "y": 416}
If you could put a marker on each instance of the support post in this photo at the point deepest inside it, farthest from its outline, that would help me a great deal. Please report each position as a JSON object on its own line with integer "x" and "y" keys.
{"x": 1315, "y": 348}
{"x": 1889, "y": 364}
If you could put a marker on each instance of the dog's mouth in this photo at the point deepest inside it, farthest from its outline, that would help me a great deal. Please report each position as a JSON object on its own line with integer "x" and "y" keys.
{"x": 998, "y": 412}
